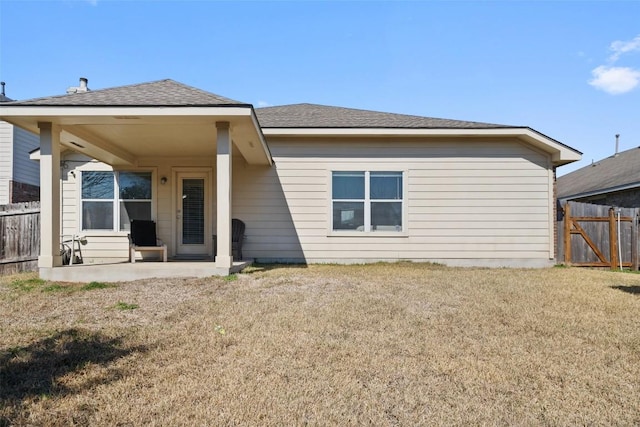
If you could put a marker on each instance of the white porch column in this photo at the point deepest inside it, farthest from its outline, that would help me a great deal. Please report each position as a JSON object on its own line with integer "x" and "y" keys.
{"x": 49, "y": 195}
{"x": 224, "y": 257}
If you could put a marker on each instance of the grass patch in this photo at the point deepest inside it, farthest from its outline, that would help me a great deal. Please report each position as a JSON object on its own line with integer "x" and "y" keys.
{"x": 55, "y": 287}
{"x": 25, "y": 283}
{"x": 121, "y": 305}
{"x": 383, "y": 344}
{"x": 97, "y": 285}
{"x": 28, "y": 284}
{"x": 231, "y": 278}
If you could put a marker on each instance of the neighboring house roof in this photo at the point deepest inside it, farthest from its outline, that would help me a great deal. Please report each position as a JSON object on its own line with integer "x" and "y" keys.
{"x": 162, "y": 93}
{"x": 615, "y": 173}
{"x": 322, "y": 116}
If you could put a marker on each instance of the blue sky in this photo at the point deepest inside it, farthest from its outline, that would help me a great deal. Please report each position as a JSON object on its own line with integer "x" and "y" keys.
{"x": 569, "y": 69}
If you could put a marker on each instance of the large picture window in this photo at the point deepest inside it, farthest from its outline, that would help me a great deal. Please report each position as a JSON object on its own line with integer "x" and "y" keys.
{"x": 110, "y": 200}
{"x": 367, "y": 201}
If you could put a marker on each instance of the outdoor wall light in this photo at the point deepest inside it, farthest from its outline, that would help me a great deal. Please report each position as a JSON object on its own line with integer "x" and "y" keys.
{"x": 163, "y": 180}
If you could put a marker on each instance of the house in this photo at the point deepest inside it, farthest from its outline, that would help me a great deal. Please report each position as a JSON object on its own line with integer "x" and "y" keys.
{"x": 614, "y": 181}
{"x": 314, "y": 184}
{"x": 19, "y": 176}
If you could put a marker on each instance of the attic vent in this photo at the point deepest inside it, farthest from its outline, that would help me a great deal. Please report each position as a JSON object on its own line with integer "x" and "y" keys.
{"x": 82, "y": 88}
{"x": 76, "y": 144}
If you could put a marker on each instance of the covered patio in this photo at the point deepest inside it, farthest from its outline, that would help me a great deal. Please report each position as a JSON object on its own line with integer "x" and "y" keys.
{"x": 125, "y": 272}
{"x": 177, "y": 135}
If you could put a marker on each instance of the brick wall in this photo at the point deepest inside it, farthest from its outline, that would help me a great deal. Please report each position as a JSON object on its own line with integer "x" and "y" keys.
{"x": 555, "y": 215}
{"x": 20, "y": 192}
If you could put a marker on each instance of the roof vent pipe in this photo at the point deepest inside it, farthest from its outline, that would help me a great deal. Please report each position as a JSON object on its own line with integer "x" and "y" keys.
{"x": 82, "y": 88}
{"x": 617, "y": 141}
{"x": 3, "y": 83}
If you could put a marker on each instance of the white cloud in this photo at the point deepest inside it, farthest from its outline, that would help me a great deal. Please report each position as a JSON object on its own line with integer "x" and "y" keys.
{"x": 615, "y": 80}
{"x": 263, "y": 104}
{"x": 619, "y": 47}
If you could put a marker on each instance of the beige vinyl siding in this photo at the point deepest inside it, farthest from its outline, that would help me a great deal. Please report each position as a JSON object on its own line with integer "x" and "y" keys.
{"x": 6, "y": 157}
{"x": 467, "y": 202}
{"x": 101, "y": 247}
{"x": 112, "y": 246}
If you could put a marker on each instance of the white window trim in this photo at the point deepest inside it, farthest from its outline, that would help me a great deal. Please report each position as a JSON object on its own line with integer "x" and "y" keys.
{"x": 367, "y": 203}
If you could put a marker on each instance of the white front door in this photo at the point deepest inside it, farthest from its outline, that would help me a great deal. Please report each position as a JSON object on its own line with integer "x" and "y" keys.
{"x": 193, "y": 214}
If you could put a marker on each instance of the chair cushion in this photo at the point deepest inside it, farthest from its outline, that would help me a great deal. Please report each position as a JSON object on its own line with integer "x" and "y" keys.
{"x": 143, "y": 233}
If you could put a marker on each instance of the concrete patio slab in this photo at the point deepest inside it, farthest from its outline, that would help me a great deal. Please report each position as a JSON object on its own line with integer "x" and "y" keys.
{"x": 125, "y": 271}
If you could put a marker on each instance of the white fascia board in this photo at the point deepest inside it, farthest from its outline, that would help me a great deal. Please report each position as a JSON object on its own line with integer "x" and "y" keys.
{"x": 561, "y": 153}
{"x": 263, "y": 141}
{"x": 367, "y": 132}
{"x": 90, "y": 111}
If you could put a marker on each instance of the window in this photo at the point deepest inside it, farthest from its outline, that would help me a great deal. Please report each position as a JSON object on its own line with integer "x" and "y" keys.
{"x": 367, "y": 201}
{"x": 110, "y": 200}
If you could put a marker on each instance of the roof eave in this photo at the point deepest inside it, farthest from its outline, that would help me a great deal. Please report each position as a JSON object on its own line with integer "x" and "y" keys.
{"x": 561, "y": 154}
{"x": 600, "y": 191}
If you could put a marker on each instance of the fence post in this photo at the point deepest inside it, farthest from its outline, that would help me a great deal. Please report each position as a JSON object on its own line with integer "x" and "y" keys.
{"x": 567, "y": 233}
{"x": 613, "y": 240}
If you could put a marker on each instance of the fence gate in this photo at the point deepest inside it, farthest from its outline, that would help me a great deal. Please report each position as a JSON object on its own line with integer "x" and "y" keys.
{"x": 600, "y": 236}
{"x": 19, "y": 237}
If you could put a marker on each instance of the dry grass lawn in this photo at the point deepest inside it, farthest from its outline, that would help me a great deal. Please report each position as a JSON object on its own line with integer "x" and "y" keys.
{"x": 385, "y": 344}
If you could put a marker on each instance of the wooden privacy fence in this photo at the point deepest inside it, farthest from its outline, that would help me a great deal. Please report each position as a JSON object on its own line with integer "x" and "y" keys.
{"x": 19, "y": 237}
{"x": 598, "y": 236}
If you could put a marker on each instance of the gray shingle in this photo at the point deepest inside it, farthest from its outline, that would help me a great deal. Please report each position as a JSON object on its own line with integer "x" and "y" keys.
{"x": 171, "y": 93}
{"x": 321, "y": 116}
{"x": 161, "y": 93}
{"x": 612, "y": 172}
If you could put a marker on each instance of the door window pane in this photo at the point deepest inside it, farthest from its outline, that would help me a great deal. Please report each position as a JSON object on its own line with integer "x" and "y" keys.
{"x": 193, "y": 211}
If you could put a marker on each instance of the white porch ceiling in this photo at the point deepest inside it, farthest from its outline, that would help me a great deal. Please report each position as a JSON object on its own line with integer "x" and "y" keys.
{"x": 125, "y": 135}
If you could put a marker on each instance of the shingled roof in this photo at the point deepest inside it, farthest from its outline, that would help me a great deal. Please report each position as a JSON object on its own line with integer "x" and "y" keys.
{"x": 611, "y": 174}
{"x": 322, "y": 116}
{"x": 169, "y": 93}
{"x": 162, "y": 93}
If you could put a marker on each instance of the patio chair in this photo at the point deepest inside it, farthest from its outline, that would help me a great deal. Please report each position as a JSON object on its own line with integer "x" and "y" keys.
{"x": 143, "y": 239}
{"x": 237, "y": 236}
